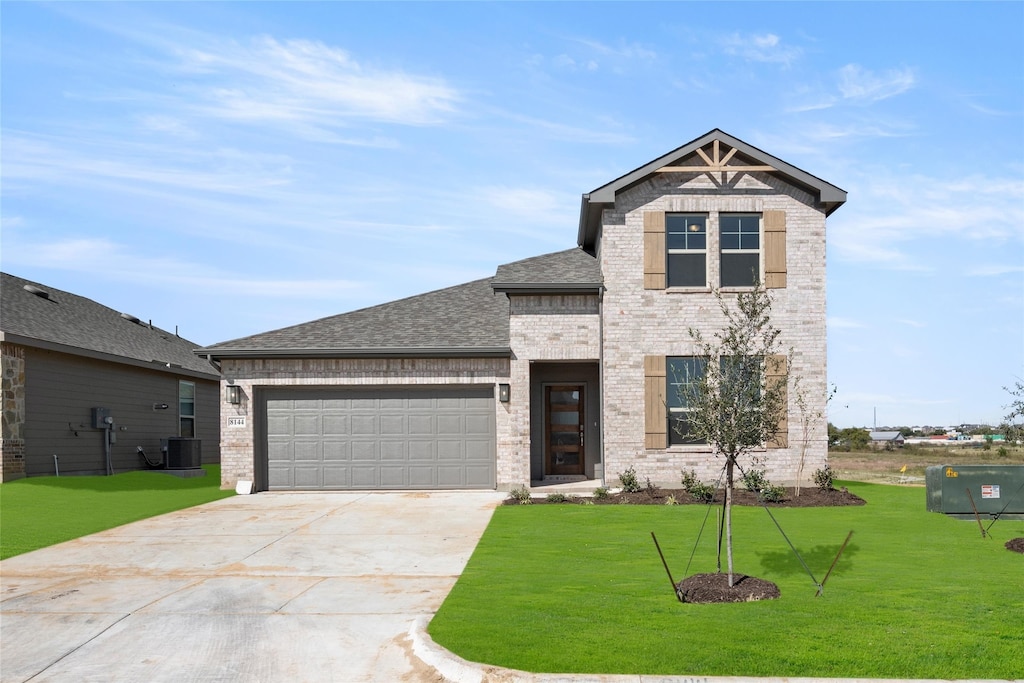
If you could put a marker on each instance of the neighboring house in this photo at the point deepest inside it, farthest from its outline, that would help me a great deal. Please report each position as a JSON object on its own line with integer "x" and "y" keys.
{"x": 560, "y": 367}
{"x": 64, "y": 355}
{"x": 887, "y": 440}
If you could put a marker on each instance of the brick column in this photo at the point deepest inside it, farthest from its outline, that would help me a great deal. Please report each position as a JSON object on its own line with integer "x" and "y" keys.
{"x": 12, "y": 438}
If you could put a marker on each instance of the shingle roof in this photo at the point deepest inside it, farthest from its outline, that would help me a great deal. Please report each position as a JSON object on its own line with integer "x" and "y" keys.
{"x": 66, "y": 322}
{"x": 572, "y": 270}
{"x": 461, "y": 321}
{"x": 464, "y": 320}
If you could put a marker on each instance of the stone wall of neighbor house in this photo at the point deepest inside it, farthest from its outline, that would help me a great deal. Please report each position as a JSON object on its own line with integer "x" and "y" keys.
{"x": 549, "y": 327}
{"x": 238, "y": 422}
{"x": 12, "y": 438}
{"x": 639, "y": 322}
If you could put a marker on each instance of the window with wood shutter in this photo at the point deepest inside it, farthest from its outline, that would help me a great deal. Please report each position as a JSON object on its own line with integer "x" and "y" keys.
{"x": 775, "y": 374}
{"x": 654, "y": 250}
{"x": 774, "y": 249}
{"x": 655, "y": 420}
{"x": 739, "y": 243}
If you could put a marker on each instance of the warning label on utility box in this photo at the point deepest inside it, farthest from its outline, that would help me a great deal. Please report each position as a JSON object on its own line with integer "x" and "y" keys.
{"x": 990, "y": 490}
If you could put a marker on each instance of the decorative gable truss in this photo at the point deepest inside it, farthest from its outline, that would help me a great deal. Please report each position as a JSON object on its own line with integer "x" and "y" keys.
{"x": 724, "y": 171}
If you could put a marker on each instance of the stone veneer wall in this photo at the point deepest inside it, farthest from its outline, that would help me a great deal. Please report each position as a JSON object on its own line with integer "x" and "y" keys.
{"x": 12, "y": 437}
{"x": 639, "y": 322}
{"x": 544, "y": 328}
{"x": 238, "y": 443}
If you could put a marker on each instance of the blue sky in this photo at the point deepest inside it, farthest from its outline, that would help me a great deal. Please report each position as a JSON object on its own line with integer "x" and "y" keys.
{"x": 234, "y": 168}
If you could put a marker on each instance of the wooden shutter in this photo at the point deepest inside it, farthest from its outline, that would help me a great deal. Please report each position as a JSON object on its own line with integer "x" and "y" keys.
{"x": 775, "y": 374}
{"x": 774, "y": 249}
{"x": 655, "y": 417}
{"x": 654, "y": 250}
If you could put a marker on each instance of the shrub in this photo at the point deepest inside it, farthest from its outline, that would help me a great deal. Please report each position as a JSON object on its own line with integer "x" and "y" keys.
{"x": 650, "y": 488}
{"x": 1003, "y": 452}
{"x": 600, "y": 493}
{"x": 699, "y": 490}
{"x": 773, "y": 494}
{"x": 556, "y": 498}
{"x": 671, "y": 500}
{"x": 824, "y": 477}
{"x": 521, "y": 494}
{"x": 754, "y": 480}
{"x": 630, "y": 483}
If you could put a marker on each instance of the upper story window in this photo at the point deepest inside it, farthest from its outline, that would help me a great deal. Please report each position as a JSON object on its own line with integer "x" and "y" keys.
{"x": 186, "y": 409}
{"x": 686, "y": 238}
{"x": 740, "y": 246}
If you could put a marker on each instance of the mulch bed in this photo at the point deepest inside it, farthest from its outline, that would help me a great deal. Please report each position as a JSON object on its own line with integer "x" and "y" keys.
{"x": 1016, "y": 545}
{"x": 715, "y": 588}
{"x": 810, "y": 496}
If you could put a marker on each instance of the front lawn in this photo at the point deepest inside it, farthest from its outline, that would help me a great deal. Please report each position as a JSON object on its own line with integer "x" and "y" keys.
{"x": 580, "y": 589}
{"x": 40, "y": 511}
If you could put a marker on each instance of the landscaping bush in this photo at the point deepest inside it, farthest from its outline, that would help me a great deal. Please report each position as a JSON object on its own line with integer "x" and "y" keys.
{"x": 824, "y": 478}
{"x": 630, "y": 483}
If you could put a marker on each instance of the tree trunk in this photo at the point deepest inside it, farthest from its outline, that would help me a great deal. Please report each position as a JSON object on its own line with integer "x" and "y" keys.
{"x": 728, "y": 514}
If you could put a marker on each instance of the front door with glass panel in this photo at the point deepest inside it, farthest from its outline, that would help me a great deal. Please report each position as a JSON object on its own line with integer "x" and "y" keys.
{"x": 563, "y": 410}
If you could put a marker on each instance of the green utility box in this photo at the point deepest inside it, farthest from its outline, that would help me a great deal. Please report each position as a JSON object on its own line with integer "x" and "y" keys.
{"x": 997, "y": 490}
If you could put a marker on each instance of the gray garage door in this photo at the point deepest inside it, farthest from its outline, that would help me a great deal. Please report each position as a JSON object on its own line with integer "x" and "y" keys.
{"x": 416, "y": 438}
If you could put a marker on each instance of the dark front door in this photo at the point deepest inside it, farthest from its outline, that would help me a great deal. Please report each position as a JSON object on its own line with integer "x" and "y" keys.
{"x": 563, "y": 418}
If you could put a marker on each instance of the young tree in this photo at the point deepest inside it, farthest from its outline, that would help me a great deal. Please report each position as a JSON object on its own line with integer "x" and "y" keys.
{"x": 738, "y": 402}
{"x": 1013, "y": 428}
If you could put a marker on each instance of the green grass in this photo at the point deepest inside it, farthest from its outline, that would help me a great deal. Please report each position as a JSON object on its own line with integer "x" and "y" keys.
{"x": 580, "y": 589}
{"x": 40, "y": 511}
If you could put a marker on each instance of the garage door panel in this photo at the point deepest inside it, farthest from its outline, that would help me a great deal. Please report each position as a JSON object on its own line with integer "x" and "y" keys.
{"x": 421, "y": 450}
{"x": 305, "y": 450}
{"x": 449, "y": 424}
{"x": 336, "y": 450}
{"x": 365, "y": 477}
{"x": 364, "y": 424}
{"x": 280, "y": 477}
{"x": 477, "y": 424}
{"x": 336, "y": 477}
{"x": 392, "y": 424}
{"x": 335, "y": 424}
{"x": 376, "y": 437}
{"x": 365, "y": 451}
{"x": 478, "y": 476}
{"x": 422, "y": 477}
{"x": 392, "y": 451}
{"x": 306, "y": 425}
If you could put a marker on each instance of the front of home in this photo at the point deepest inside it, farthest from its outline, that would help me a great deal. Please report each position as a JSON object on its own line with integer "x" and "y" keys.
{"x": 560, "y": 367}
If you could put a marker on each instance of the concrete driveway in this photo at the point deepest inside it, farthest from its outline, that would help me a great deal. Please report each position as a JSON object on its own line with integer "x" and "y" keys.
{"x": 267, "y": 587}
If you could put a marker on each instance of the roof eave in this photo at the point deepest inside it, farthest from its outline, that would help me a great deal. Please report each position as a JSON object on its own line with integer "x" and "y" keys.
{"x": 548, "y": 288}
{"x": 215, "y": 353}
{"x": 155, "y": 364}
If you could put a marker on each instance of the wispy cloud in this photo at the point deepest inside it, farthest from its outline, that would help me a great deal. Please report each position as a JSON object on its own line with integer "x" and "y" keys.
{"x": 994, "y": 270}
{"x": 912, "y": 323}
{"x": 839, "y": 323}
{"x": 894, "y": 210}
{"x": 763, "y": 47}
{"x": 302, "y": 80}
{"x": 860, "y": 84}
{"x": 855, "y": 85}
{"x": 122, "y": 264}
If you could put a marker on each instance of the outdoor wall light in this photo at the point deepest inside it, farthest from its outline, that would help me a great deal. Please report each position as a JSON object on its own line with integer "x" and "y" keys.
{"x": 504, "y": 393}
{"x": 160, "y": 406}
{"x": 234, "y": 394}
